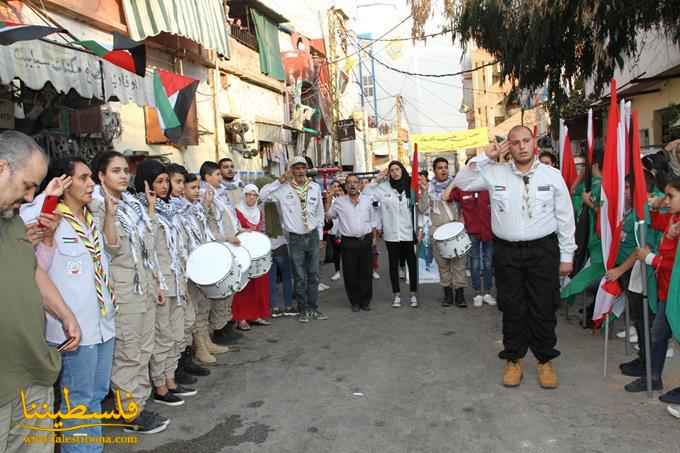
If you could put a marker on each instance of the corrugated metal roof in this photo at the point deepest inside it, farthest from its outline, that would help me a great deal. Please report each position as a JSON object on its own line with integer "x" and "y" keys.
{"x": 202, "y": 21}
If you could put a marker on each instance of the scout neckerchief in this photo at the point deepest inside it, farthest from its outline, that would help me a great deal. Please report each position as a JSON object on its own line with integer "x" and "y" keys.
{"x": 435, "y": 191}
{"x": 142, "y": 206}
{"x": 168, "y": 217}
{"x": 93, "y": 243}
{"x": 301, "y": 191}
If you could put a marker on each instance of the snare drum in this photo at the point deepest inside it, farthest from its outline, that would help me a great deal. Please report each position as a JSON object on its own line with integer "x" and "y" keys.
{"x": 260, "y": 248}
{"x": 243, "y": 262}
{"x": 213, "y": 269}
{"x": 452, "y": 240}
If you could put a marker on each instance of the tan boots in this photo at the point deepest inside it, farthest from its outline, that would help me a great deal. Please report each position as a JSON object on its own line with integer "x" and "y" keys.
{"x": 201, "y": 351}
{"x": 512, "y": 374}
{"x": 547, "y": 378}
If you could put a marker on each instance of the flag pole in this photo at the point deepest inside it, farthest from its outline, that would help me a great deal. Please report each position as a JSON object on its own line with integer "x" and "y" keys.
{"x": 606, "y": 343}
{"x": 645, "y": 314}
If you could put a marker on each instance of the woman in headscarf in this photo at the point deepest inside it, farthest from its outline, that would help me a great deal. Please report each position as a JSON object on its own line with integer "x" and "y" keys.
{"x": 392, "y": 190}
{"x": 673, "y": 151}
{"x": 172, "y": 254}
{"x": 252, "y": 302}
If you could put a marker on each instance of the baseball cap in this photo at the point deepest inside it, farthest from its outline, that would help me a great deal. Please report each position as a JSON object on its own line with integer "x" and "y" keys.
{"x": 296, "y": 161}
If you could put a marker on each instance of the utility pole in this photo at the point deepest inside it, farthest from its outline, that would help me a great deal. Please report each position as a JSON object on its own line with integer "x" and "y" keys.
{"x": 333, "y": 76}
{"x": 364, "y": 122}
{"x": 397, "y": 108}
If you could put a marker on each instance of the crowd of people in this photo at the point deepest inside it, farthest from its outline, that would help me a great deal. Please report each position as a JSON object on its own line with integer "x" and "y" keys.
{"x": 108, "y": 265}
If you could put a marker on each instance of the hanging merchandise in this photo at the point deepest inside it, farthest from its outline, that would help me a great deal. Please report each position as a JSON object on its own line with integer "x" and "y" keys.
{"x": 172, "y": 96}
{"x": 124, "y": 52}
{"x": 11, "y": 32}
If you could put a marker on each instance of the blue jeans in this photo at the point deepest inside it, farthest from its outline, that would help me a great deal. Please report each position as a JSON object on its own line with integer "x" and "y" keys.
{"x": 480, "y": 264}
{"x": 660, "y": 334}
{"x": 304, "y": 253}
{"x": 86, "y": 373}
{"x": 281, "y": 264}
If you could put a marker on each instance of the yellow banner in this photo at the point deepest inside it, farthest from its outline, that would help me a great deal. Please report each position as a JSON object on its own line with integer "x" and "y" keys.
{"x": 451, "y": 141}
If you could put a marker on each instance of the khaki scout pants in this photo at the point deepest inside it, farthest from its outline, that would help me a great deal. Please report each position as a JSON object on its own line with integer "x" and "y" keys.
{"x": 169, "y": 333}
{"x": 135, "y": 334}
{"x": 211, "y": 314}
{"x": 451, "y": 271}
{"x": 189, "y": 321}
{"x": 13, "y": 438}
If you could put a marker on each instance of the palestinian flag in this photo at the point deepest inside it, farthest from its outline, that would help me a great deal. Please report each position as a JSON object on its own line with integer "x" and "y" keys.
{"x": 124, "y": 52}
{"x": 568, "y": 166}
{"x": 11, "y": 32}
{"x": 172, "y": 95}
{"x": 414, "y": 174}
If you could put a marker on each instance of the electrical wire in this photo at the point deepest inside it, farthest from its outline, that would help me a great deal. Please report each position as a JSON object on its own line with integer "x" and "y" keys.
{"x": 423, "y": 38}
{"x": 363, "y": 48}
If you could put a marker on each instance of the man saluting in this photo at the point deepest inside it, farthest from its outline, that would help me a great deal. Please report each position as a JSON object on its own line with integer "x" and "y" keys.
{"x": 532, "y": 220}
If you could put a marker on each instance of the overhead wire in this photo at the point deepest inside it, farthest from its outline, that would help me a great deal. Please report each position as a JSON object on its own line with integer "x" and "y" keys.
{"x": 363, "y": 48}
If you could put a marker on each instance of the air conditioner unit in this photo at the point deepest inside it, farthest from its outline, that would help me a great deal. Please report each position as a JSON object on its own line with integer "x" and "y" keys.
{"x": 240, "y": 132}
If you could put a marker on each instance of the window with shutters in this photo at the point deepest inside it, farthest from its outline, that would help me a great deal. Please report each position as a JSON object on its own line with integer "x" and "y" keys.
{"x": 155, "y": 135}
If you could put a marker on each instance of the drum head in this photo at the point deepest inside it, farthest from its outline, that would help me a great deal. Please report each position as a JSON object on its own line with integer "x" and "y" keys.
{"x": 242, "y": 256}
{"x": 258, "y": 244}
{"x": 447, "y": 231}
{"x": 209, "y": 263}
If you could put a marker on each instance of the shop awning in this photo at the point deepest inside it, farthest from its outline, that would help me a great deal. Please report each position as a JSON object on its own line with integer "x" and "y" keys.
{"x": 37, "y": 62}
{"x": 202, "y": 21}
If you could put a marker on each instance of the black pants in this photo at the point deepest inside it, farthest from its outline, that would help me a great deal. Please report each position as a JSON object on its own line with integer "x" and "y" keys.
{"x": 395, "y": 252}
{"x": 334, "y": 242}
{"x": 357, "y": 270}
{"x": 636, "y": 303}
{"x": 528, "y": 284}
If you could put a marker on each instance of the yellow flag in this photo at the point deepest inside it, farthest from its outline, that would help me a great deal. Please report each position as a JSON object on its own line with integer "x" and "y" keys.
{"x": 451, "y": 141}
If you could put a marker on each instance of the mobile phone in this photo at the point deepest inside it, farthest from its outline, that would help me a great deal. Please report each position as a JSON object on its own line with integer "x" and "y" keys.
{"x": 49, "y": 205}
{"x": 64, "y": 344}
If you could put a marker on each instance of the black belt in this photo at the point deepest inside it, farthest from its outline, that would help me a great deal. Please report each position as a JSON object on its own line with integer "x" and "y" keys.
{"x": 525, "y": 244}
{"x": 361, "y": 238}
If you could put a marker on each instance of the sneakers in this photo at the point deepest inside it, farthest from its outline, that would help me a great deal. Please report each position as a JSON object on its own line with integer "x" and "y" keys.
{"x": 303, "y": 317}
{"x": 634, "y": 368}
{"x": 148, "y": 423}
{"x": 181, "y": 390}
{"x": 396, "y": 303}
{"x": 414, "y": 301}
{"x": 336, "y": 276}
{"x": 622, "y": 334}
{"x": 674, "y": 411}
{"x": 277, "y": 313}
{"x": 489, "y": 300}
{"x": 323, "y": 287}
{"x": 376, "y": 276}
{"x": 512, "y": 374}
{"x": 478, "y": 301}
{"x": 318, "y": 316}
{"x": 169, "y": 399}
{"x": 290, "y": 311}
{"x": 671, "y": 396}
{"x": 547, "y": 378}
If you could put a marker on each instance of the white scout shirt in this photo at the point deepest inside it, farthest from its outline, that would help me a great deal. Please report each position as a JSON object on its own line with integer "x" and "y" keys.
{"x": 396, "y": 216}
{"x": 291, "y": 208}
{"x": 524, "y": 206}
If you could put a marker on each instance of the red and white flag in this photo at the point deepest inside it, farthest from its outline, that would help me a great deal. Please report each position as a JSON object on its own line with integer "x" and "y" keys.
{"x": 567, "y": 164}
{"x": 612, "y": 209}
{"x": 590, "y": 137}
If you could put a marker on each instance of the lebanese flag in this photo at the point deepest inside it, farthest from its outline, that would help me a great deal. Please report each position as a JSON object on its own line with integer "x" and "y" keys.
{"x": 172, "y": 95}
{"x": 11, "y": 32}
{"x": 639, "y": 195}
{"x": 568, "y": 166}
{"x": 124, "y": 52}
{"x": 414, "y": 174}
{"x": 612, "y": 211}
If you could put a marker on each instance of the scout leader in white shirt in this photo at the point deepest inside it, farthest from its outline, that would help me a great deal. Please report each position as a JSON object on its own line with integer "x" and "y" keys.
{"x": 301, "y": 206}
{"x": 532, "y": 220}
{"x": 356, "y": 221}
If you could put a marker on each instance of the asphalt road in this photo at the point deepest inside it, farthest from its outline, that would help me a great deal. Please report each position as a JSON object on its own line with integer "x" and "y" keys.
{"x": 409, "y": 380}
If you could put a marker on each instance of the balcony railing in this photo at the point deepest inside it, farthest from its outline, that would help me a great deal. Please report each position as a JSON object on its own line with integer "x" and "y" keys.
{"x": 244, "y": 36}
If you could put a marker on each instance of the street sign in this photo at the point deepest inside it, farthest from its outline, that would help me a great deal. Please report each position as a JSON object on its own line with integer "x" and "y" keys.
{"x": 345, "y": 130}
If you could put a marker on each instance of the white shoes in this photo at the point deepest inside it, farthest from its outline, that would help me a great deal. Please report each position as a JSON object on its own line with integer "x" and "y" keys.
{"x": 336, "y": 276}
{"x": 674, "y": 411}
{"x": 323, "y": 287}
{"x": 478, "y": 301}
{"x": 397, "y": 301}
{"x": 489, "y": 300}
{"x": 414, "y": 301}
{"x": 631, "y": 331}
{"x": 376, "y": 276}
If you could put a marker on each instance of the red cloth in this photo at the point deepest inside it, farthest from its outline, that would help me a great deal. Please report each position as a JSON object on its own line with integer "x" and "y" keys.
{"x": 253, "y": 301}
{"x": 476, "y": 212}
{"x": 665, "y": 257}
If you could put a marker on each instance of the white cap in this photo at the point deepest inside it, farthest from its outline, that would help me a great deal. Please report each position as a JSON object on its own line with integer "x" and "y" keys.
{"x": 297, "y": 160}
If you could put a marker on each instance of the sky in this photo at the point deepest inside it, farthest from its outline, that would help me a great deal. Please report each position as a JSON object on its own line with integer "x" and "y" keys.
{"x": 430, "y": 104}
